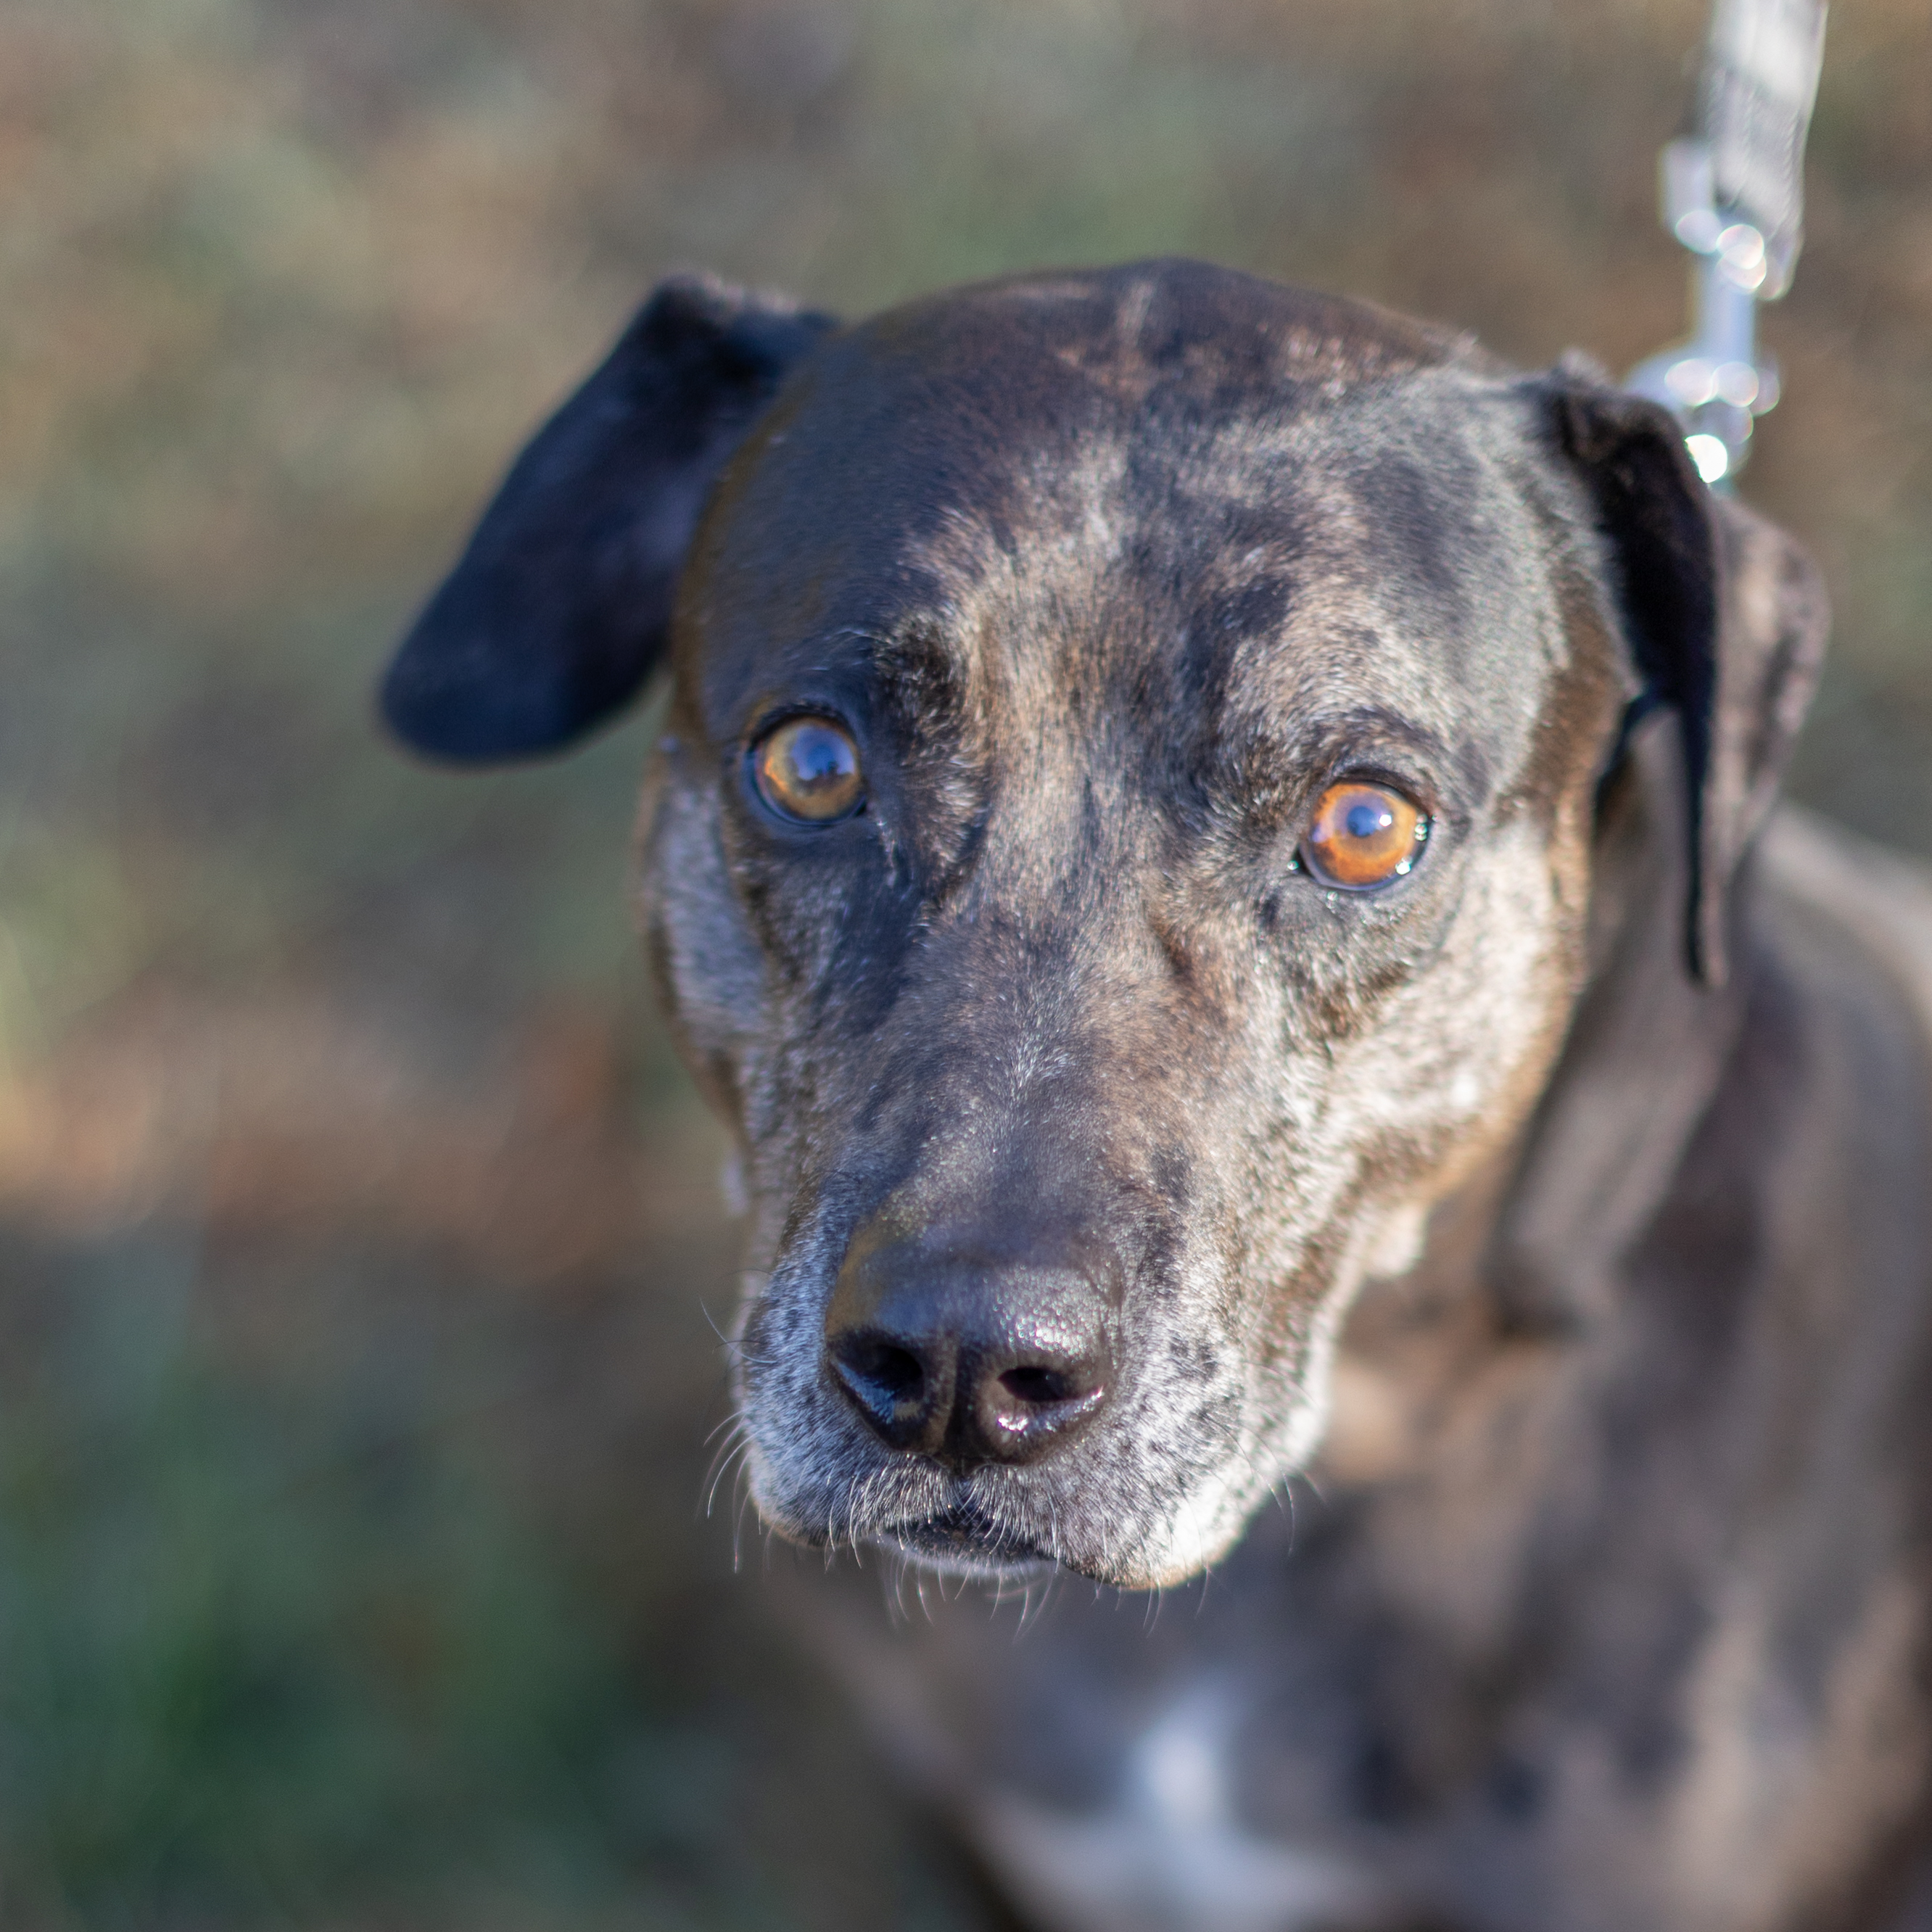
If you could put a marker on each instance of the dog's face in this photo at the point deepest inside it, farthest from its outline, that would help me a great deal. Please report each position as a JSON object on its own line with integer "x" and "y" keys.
{"x": 1120, "y": 852}
{"x": 1067, "y": 1073}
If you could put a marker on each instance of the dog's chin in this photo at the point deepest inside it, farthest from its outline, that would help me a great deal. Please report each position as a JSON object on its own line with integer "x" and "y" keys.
{"x": 952, "y": 1533}
{"x": 995, "y": 1526}
{"x": 946, "y": 1527}
{"x": 962, "y": 1543}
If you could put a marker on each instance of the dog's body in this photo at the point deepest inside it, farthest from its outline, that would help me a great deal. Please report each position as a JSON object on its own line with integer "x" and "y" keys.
{"x": 1083, "y": 1103}
{"x": 1617, "y": 1624}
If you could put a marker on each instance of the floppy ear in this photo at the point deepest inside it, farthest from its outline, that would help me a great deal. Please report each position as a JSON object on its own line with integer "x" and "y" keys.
{"x": 1727, "y": 616}
{"x": 557, "y": 611}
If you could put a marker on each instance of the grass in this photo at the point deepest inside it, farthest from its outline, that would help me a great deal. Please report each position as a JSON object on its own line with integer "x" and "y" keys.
{"x": 285, "y": 1641}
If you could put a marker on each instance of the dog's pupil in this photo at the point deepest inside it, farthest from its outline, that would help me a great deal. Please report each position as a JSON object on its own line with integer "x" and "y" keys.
{"x": 1364, "y": 820}
{"x": 819, "y": 758}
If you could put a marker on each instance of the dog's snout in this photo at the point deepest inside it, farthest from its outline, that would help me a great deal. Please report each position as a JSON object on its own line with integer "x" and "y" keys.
{"x": 968, "y": 1360}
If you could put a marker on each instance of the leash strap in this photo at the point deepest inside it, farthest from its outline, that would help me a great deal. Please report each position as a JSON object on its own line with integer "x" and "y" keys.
{"x": 1733, "y": 193}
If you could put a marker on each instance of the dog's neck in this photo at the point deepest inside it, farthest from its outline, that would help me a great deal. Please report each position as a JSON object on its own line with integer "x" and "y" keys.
{"x": 1646, "y": 1048}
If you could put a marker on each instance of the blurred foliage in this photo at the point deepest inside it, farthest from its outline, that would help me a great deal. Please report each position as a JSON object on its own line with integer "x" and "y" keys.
{"x": 275, "y": 1644}
{"x": 355, "y": 1251}
{"x": 227, "y": 1678}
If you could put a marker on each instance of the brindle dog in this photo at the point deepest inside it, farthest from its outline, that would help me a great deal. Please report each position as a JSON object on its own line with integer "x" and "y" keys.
{"x": 1207, "y": 847}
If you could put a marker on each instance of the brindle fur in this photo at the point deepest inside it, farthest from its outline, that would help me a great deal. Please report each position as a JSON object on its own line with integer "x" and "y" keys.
{"x": 1560, "y": 1211}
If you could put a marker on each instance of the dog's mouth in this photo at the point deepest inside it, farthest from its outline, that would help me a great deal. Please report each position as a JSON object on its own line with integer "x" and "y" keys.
{"x": 964, "y": 1538}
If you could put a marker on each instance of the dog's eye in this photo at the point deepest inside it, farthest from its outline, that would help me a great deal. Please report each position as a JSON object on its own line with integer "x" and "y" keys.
{"x": 1363, "y": 834}
{"x": 808, "y": 769}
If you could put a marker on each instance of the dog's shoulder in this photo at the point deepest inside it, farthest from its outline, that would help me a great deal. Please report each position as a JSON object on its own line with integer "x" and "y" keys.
{"x": 1830, "y": 1101}
{"x": 1876, "y": 902}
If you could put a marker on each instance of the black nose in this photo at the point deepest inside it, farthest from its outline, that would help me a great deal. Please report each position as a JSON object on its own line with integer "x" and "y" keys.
{"x": 967, "y": 1359}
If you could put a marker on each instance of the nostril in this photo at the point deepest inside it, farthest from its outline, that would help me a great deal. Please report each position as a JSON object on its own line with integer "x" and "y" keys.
{"x": 1038, "y": 1387}
{"x": 1023, "y": 1409}
{"x": 894, "y": 1388}
{"x": 894, "y": 1373}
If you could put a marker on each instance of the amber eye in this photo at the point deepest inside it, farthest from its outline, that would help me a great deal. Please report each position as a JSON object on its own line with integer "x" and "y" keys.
{"x": 1363, "y": 834}
{"x": 808, "y": 769}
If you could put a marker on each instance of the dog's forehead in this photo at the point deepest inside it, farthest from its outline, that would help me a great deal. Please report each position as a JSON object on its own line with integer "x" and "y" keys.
{"x": 1176, "y": 325}
{"x": 1289, "y": 497}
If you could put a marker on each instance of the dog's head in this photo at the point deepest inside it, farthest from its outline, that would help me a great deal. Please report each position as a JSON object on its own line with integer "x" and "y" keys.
{"x": 1122, "y": 847}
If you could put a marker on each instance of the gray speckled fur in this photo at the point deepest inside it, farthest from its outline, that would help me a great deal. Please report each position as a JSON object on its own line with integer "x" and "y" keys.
{"x": 1593, "y": 1300}
{"x": 1113, "y": 1002}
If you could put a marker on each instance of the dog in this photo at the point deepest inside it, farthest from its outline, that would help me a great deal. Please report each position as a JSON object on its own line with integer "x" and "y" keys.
{"x": 1217, "y": 849}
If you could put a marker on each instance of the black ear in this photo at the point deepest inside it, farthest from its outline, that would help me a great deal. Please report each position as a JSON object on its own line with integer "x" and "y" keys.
{"x": 556, "y": 613}
{"x": 1727, "y": 616}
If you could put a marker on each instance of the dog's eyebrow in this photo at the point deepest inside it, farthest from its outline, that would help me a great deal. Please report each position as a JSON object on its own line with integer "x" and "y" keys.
{"x": 1324, "y": 738}
{"x": 1458, "y": 765}
{"x": 923, "y": 677}
{"x": 1374, "y": 725}
{"x": 1264, "y": 770}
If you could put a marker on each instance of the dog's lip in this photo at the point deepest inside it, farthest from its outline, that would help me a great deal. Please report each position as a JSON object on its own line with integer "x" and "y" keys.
{"x": 963, "y": 1534}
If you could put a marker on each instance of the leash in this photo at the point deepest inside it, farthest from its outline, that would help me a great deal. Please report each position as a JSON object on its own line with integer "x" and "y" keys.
{"x": 1733, "y": 193}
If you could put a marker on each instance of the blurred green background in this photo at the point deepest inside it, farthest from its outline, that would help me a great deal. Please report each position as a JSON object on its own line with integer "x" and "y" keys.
{"x": 359, "y": 1250}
